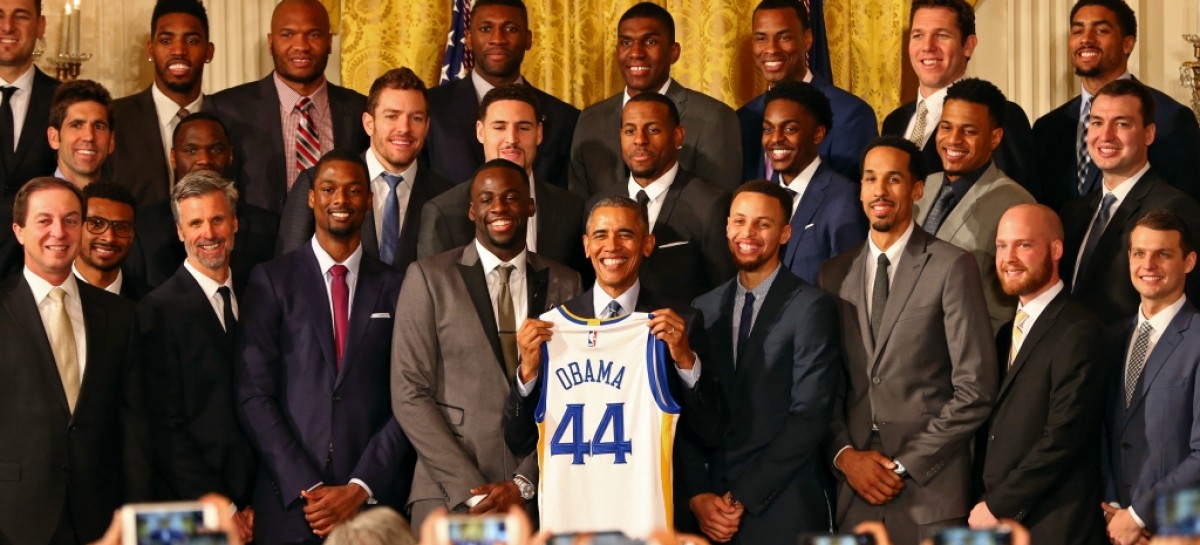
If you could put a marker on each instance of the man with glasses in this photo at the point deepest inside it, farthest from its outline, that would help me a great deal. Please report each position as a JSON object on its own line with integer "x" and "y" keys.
{"x": 107, "y": 235}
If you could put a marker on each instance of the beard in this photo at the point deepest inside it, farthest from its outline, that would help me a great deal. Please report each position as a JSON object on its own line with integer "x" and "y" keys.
{"x": 1034, "y": 278}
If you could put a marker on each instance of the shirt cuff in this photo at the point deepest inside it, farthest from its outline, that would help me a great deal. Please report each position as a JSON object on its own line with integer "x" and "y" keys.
{"x": 1136, "y": 518}
{"x": 525, "y": 388}
{"x": 690, "y": 376}
{"x": 839, "y": 453}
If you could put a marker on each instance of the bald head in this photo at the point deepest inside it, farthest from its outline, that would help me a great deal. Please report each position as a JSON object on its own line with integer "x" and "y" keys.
{"x": 284, "y": 7}
{"x": 1029, "y": 245}
{"x": 300, "y": 43}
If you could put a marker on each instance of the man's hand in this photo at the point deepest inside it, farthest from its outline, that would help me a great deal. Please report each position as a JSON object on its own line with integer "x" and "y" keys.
{"x": 719, "y": 519}
{"x": 329, "y": 506}
{"x": 870, "y": 474}
{"x": 982, "y": 518}
{"x": 243, "y": 522}
{"x": 669, "y": 327}
{"x": 500, "y": 496}
{"x": 1123, "y": 530}
{"x": 530, "y": 336}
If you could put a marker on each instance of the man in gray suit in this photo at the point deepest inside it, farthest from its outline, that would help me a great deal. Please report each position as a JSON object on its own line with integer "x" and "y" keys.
{"x": 962, "y": 205}
{"x": 454, "y": 351}
{"x": 920, "y": 360}
{"x": 646, "y": 49}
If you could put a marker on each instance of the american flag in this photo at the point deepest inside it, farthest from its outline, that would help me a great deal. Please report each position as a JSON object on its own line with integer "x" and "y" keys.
{"x": 818, "y": 56}
{"x": 458, "y": 61}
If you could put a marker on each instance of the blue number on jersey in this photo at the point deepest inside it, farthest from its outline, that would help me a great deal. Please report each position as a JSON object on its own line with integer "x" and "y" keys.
{"x": 614, "y": 417}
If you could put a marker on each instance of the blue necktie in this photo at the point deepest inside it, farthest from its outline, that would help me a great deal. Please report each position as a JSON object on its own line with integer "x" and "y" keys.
{"x": 745, "y": 322}
{"x": 391, "y": 220}
{"x": 1093, "y": 239}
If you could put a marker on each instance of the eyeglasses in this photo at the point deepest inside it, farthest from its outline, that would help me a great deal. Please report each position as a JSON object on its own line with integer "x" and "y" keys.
{"x": 97, "y": 225}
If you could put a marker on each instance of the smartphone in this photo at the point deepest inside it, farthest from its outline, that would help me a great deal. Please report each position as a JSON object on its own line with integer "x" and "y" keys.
{"x": 1000, "y": 535}
{"x": 1179, "y": 512}
{"x": 172, "y": 523}
{"x": 477, "y": 530}
{"x": 599, "y": 538}
{"x": 837, "y": 539}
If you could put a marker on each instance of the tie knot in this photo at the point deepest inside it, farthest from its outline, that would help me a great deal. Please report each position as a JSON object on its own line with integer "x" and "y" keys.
{"x": 642, "y": 198}
{"x": 1019, "y": 321}
{"x": 1107, "y": 201}
{"x": 505, "y": 270}
{"x": 1145, "y": 328}
{"x": 946, "y": 192}
{"x": 922, "y": 108}
{"x": 57, "y": 294}
{"x": 182, "y": 113}
{"x": 749, "y": 298}
{"x": 224, "y": 290}
{"x": 8, "y": 91}
{"x": 338, "y": 271}
{"x": 883, "y": 261}
{"x": 392, "y": 180}
{"x": 613, "y": 309}
{"x": 304, "y": 105}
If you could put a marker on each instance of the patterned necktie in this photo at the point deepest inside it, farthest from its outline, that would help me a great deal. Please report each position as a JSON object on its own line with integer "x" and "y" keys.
{"x": 940, "y": 209}
{"x": 879, "y": 293}
{"x": 341, "y": 309}
{"x": 612, "y": 310}
{"x": 1082, "y": 158}
{"x": 745, "y": 322}
{"x": 308, "y": 144}
{"x": 507, "y": 319}
{"x": 8, "y": 131}
{"x": 1137, "y": 360}
{"x": 918, "y": 133}
{"x": 62, "y": 344}
{"x": 1018, "y": 333}
{"x": 391, "y": 220}
{"x": 1093, "y": 239}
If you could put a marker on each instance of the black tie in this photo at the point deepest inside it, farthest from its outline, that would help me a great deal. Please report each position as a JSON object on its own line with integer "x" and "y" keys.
{"x": 744, "y": 324}
{"x": 643, "y": 199}
{"x": 8, "y": 131}
{"x": 230, "y": 320}
{"x": 879, "y": 293}
{"x": 1093, "y": 239}
{"x": 940, "y": 209}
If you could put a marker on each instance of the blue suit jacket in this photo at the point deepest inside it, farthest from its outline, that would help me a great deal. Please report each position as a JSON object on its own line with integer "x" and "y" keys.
{"x": 1154, "y": 445}
{"x": 828, "y": 220}
{"x": 309, "y": 421}
{"x": 854, "y": 127}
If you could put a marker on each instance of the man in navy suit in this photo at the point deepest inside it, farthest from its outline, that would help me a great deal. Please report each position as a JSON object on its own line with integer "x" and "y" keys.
{"x": 264, "y": 116}
{"x": 1103, "y": 33}
{"x": 1151, "y": 427}
{"x": 940, "y": 45}
{"x": 824, "y": 214}
{"x": 782, "y": 36}
{"x": 499, "y": 37}
{"x": 311, "y": 378}
{"x": 773, "y": 344}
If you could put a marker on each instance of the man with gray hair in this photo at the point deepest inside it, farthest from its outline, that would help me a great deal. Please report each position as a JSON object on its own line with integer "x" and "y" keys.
{"x": 187, "y": 334}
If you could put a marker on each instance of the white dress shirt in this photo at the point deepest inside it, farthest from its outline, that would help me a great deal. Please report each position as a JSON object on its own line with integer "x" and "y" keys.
{"x": 800, "y": 183}
{"x": 933, "y": 103}
{"x": 893, "y": 253}
{"x": 114, "y": 288}
{"x": 657, "y": 191}
{"x": 168, "y": 119}
{"x": 41, "y": 294}
{"x": 661, "y": 90}
{"x": 516, "y": 282}
{"x": 209, "y": 287}
{"x": 1034, "y": 308}
{"x": 20, "y": 101}
{"x": 1120, "y": 192}
{"x": 380, "y": 190}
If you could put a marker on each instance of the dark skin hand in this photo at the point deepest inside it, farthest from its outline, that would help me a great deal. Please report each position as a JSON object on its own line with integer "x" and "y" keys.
{"x": 500, "y": 496}
{"x": 329, "y": 506}
{"x": 718, "y": 518}
{"x": 870, "y": 474}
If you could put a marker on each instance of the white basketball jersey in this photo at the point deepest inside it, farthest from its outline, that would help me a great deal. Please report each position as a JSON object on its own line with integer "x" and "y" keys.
{"x": 606, "y": 424}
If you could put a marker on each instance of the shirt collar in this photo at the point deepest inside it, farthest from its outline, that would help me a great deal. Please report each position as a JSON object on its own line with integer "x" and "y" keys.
{"x": 661, "y": 90}
{"x": 1034, "y": 308}
{"x": 1125, "y": 187}
{"x": 893, "y": 252}
{"x": 207, "y": 284}
{"x": 482, "y": 86}
{"x": 965, "y": 182}
{"x": 24, "y": 82}
{"x": 938, "y": 97}
{"x": 803, "y": 178}
{"x": 41, "y": 288}
{"x": 1161, "y": 320}
{"x": 761, "y": 289}
{"x": 325, "y": 261}
{"x": 115, "y": 287}
{"x": 1087, "y": 97}
{"x": 167, "y": 109}
{"x": 628, "y": 299}
{"x": 375, "y": 168}
{"x": 288, "y": 97}
{"x": 489, "y": 261}
{"x": 656, "y": 188}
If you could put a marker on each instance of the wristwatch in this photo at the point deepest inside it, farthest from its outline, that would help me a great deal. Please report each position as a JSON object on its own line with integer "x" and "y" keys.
{"x": 524, "y": 486}
{"x": 899, "y": 470}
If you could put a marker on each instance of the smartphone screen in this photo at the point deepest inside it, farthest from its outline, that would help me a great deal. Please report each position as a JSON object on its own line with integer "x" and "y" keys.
{"x": 602, "y": 538}
{"x": 967, "y": 536}
{"x": 482, "y": 530}
{"x": 1179, "y": 513}
{"x": 837, "y": 539}
{"x": 170, "y": 527}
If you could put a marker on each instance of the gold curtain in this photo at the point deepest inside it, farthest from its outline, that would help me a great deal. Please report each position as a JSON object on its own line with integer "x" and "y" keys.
{"x": 574, "y": 43}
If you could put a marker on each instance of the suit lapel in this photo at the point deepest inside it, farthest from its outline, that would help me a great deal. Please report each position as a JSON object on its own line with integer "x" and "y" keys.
{"x": 95, "y": 327}
{"x": 1114, "y": 233}
{"x": 907, "y": 272}
{"x": 467, "y": 112}
{"x": 309, "y": 273}
{"x": 723, "y": 344}
{"x": 23, "y": 309}
{"x": 777, "y": 299}
{"x": 1160, "y": 355}
{"x": 475, "y": 279}
{"x": 859, "y": 293}
{"x": 965, "y": 209}
{"x": 1045, "y": 322}
{"x": 810, "y": 202}
{"x": 370, "y": 241}
{"x": 33, "y": 129}
{"x": 366, "y": 292}
{"x": 669, "y": 200}
{"x": 537, "y": 280}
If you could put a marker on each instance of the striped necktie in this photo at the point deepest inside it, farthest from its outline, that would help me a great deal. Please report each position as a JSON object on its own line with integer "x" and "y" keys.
{"x": 308, "y": 144}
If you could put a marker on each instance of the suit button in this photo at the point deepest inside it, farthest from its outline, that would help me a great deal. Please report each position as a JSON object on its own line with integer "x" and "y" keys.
{"x": 73, "y": 428}
{"x": 337, "y": 399}
{"x": 875, "y": 380}
{"x": 991, "y": 438}
{"x": 1126, "y": 446}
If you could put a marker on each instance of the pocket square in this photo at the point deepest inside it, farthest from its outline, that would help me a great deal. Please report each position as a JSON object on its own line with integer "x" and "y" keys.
{"x": 383, "y": 315}
{"x": 672, "y": 244}
{"x": 809, "y": 225}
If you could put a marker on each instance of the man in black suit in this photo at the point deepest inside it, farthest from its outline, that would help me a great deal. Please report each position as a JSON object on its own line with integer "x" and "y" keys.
{"x": 23, "y": 127}
{"x": 397, "y": 120}
{"x": 687, "y": 213}
{"x": 82, "y": 131}
{"x": 108, "y": 219}
{"x": 200, "y": 143}
{"x": 1038, "y": 464}
{"x": 774, "y": 347}
{"x": 499, "y": 37}
{"x": 283, "y": 123}
{"x": 509, "y": 127}
{"x": 940, "y": 45}
{"x": 179, "y": 49}
{"x": 74, "y": 433}
{"x": 1096, "y": 263}
{"x": 188, "y": 325}
{"x": 1103, "y": 33}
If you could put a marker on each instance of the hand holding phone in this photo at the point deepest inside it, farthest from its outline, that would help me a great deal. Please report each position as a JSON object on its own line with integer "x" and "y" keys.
{"x": 168, "y": 523}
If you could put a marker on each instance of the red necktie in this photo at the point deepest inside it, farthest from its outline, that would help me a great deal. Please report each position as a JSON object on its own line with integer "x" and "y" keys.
{"x": 341, "y": 305}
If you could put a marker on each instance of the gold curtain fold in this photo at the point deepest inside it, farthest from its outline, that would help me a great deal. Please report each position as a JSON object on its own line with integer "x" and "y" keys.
{"x": 574, "y": 44}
